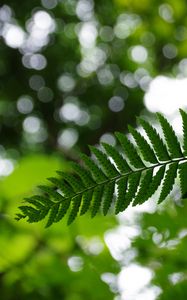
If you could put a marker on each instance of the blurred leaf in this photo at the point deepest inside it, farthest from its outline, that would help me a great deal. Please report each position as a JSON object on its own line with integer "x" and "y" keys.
{"x": 29, "y": 172}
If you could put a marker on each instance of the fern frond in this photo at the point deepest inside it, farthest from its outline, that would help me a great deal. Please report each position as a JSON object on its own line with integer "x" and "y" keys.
{"x": 86, "y": 201}
{"x": 169, "y": 180}
{"x": 63, "y": 208}
{"x": 170, "y": 137}
{"x": 97, "y": 198}
{"x": 65, "y": 189}
{"x": 141, "y": 195}
{"x": 133, "y": 184}
{"x": 53, "y": 194}
{"x": 108, "y": 169}
{"x": 155, "y": 183}
{"x": 75, "y": 209}
{"x": 75, "y": 183}
{"x": 121, "y": 192}
{"x": 84, "y": 175}
{"x": 96, "y": 172}
{"x": 156, "y": 141}
{"x": 114, "y": 177}
{"x": 121, "y": 164}
{"x": 130, "y": 151}
{"x": 143, "y": 146}
{"x": 32, "y": 214}
{"x": 52, "y": 214}
{"x": 184, "y": 125}
{"x": 107, "y": 196}
{"x": 182, "y": 177}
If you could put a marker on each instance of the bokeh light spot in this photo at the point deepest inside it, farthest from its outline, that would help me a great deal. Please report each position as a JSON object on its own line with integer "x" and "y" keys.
{"x": 66, "y": 83}
{"x": 139, "y": 54}
{"x": 68, "y": 138}
{"x": 25, "y": 104}
{"x": 31, "y": 124}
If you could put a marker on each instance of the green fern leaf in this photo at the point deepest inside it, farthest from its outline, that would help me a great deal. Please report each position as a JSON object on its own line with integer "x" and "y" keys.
{"x": 157, "y": 143}
{"x": 96, "y": 172}
{"x": 32, "y": 214}
{"x": 141, "y": 195}
{"x": 105, "y": 164}
{"x": 52, "y": 214}
{"x": 74, "y": 182}
{"x": 83, "y": 174}
{"x": 63, "y": 208}
{"x": 107, "y": 196}
{"x": 130, "y": 151}
{"x": 184, "y": 123}
{"x": 66, "y": 190}
{"x": 97, "y": 198}
{"x": 75, "y": 209}
{"x": 86, "y": 201}
{"x": 51, "y": 192}
{"x": 133, "y": 184}
{"x": 143, "y": 146}
{"x": 19, "y": 216}
{"x": 156, "y": 182}
{"x": 183, "y": 179}
{"x": 170, "y": 137}
{"x": 43, "y": 200}
{"x": 169, "y": 180}
{"x": 121, "y": 192}
{"x": 38, "y": 205}
{"x": 119, "y": 161}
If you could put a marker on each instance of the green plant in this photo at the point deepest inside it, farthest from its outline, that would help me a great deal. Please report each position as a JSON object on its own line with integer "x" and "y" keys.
{"x": 132, "y": 177}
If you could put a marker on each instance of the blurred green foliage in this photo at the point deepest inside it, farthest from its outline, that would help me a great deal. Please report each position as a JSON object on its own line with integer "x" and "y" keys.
{"x": 162, "y": 248}
{"x": 44, "y": 264}
{"x": 82, "y": 53}
{"x": 71, "y": 73}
